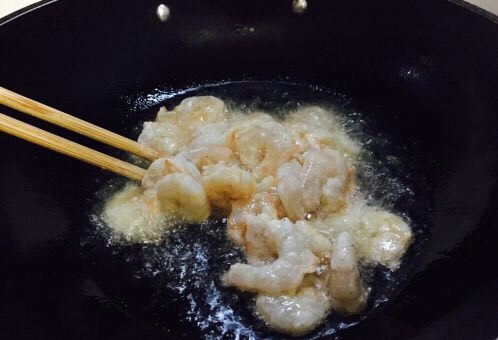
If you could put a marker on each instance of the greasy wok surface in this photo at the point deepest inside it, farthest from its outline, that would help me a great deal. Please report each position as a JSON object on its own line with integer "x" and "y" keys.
{"x": 425, "y": 72}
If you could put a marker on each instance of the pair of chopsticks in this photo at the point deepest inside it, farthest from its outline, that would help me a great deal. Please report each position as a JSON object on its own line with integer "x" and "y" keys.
{"x": 53, "y": 142}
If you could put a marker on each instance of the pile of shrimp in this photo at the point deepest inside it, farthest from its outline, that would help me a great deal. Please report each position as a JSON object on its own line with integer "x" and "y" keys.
{"x": 287, "y": 187}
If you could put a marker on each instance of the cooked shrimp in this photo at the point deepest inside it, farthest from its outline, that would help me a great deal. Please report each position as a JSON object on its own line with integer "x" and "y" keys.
{"x": 317, "y": 243}
{"x": 290, "y": 189}
{"x": 165, "y": 166}
{"x": 194, "y": 111}
{"x": 326, "y": 179}
{"x": 250, "y": 233}
{"x": 261, "y": 203}
{"x": 172, "y": 130}
{"x": 267, "y": 184}
{"x": 166, "y": 138}
{"x": 295, "y": 314}
{"x": 262, "y": 144}
{"x": 180, "y": 195}
{"x": 204, "y": 109}
{"x": 379, "y": 236}
{"x": 213, "y": 134}
{"x": 259, "y": 249}
{"x": 387, "y": 239}
{"x": 226, "y": 183}
{"x": 135, "y": 217}
{"x": 210, "y": 145}
{"x": 314, "y": 127}
{"x": 206, "y": 155}
{"x": 285, "y": 274}
{"x": 346, "y": 290}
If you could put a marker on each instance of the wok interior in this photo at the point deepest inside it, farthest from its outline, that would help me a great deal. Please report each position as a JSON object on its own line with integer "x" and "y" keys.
{"x": 415, "y": 68}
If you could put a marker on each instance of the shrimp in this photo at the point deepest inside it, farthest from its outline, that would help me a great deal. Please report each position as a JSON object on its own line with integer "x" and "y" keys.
{"x": 259, "y": 249}
{"x": 314, "y": 127}
{"x": 218, "y": 134}
{"x": 262, "y": 144}
{"x": 165, "y": 166}
{"x": 267, "y": 184}
{"x": 210, "y": 145}
{"x": 208, "y": 155}
{"x": 344, "y": 283}
{"x": 324, "y": 180}
{"x": 224, "y": 184}
{"x": 285, "y": 274}
{"x": 388, "y": 237}
{"x": 295, "y": 314}
{"x": 290, "y": 190}
{"x": 379, "y": 236}
{"x": 166, "y": 138}
{"x": 261, "y": 204}
{"x": 135, "y": 217}
{"x": 172, "y": 130}
{"x": 249, "y": 232}
{"x": 181, "y": 196}
{"x": 327, "y": 179}
{"x": 194, "y": 111}
{"x": 317, "y": 243}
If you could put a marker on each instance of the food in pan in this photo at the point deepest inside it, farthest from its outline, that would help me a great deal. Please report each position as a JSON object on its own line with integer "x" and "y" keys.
{"x": 287, "y": 187}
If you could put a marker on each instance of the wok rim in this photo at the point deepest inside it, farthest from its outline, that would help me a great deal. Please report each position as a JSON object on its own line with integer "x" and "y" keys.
{"x": 25, "y": 10}
{"x": 33, "y": 7}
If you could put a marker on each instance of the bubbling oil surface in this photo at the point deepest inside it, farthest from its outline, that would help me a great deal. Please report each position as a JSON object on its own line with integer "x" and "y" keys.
{"x": 176, "y": 284}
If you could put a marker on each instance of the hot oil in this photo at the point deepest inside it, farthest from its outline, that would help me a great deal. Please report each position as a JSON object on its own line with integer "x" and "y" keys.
{"x": 176, "y": 285}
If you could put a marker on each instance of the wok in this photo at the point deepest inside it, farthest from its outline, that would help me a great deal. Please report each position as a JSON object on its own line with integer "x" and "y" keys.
{"x": 425, "y": 73}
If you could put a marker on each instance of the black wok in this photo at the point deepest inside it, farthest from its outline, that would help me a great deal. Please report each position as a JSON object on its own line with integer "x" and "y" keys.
{"x": 425, "y": 73}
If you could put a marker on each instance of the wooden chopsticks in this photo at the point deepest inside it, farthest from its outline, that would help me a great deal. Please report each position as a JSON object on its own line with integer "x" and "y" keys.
{"x": 54, "y": 116}
{"x": 53, "y": 142}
